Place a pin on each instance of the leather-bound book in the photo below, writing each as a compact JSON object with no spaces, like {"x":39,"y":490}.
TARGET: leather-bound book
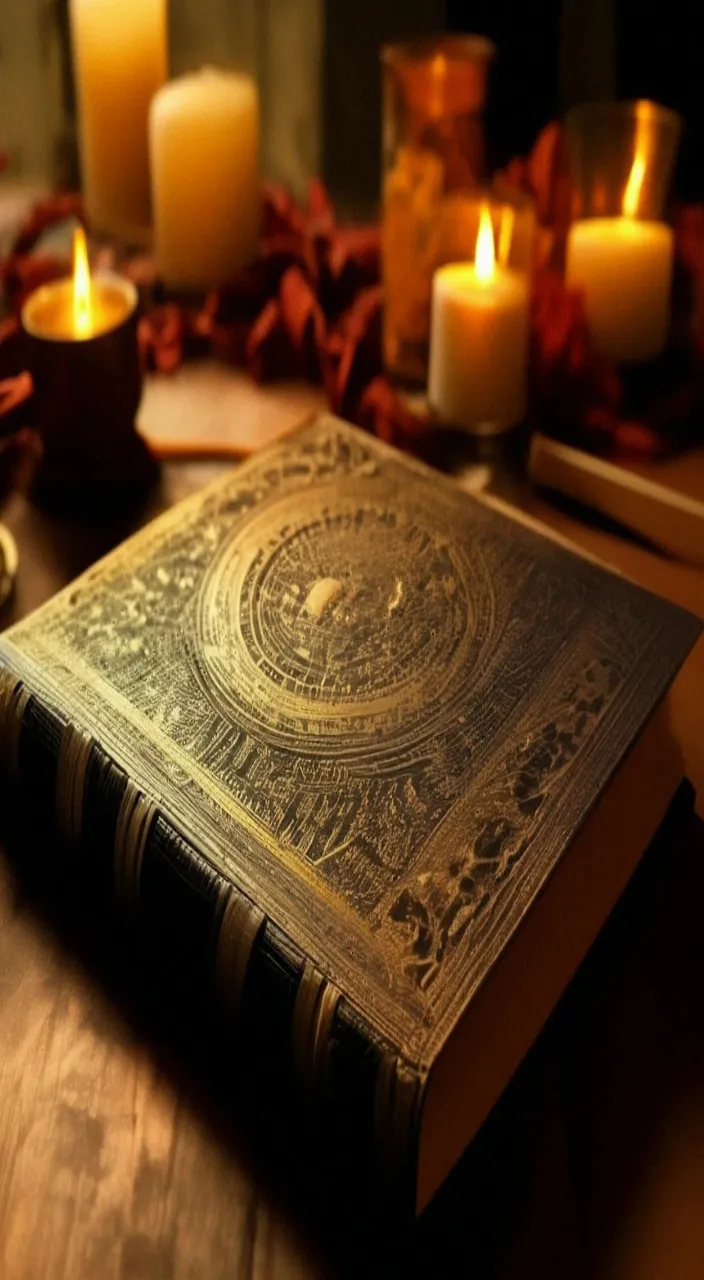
{"x":375,"y":756}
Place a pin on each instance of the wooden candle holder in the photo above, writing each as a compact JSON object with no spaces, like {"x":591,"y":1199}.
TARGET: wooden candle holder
{"x":86,"y":395}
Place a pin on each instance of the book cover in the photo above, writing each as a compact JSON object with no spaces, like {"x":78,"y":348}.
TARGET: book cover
{"x":342,"y":720}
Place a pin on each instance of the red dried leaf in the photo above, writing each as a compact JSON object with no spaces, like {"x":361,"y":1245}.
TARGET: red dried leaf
{"x":280,"y":212}
{"x":269,"y":353}
{"x":47,"y":213}
{"x":141,"y":270}
{"x":360,"y":356}
{"x":228,"y":342}
{"x":162,"y":338}
{"x":349,"y":262}
{"x":21,"y":276}
{"x":304,"y":322}
{"x":321,"y":213}
{"x":11,"y":347}
{"x":237,"y":302}
{"x":278,"y":253}
{"x":636,"y":440}
{"x":15,"y":396}
{"x":382,"y":412}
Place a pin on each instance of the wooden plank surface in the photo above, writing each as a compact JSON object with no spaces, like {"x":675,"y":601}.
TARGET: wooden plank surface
{"x":117,"y":1164}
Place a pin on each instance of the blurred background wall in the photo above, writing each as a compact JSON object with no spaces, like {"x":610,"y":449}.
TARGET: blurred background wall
{"x":317,"y":66}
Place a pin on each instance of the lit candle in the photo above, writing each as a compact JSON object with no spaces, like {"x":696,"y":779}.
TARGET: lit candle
{"x":624,"y":268}
{"x":79,"y":308}
{"x":83,"y":353}
{"x":479,"y":340}
{"x":204,"y":134}
{"x":120,"y":60}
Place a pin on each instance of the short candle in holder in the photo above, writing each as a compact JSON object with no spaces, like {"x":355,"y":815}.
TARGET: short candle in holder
{"x":623,"y":266}
{"x":82,"y":351}
{"x":479,"y":341}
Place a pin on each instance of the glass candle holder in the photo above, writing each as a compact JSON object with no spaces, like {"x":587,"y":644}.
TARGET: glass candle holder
{"x":433,"y":149}
{"x":480,"y":324}
{"x":620,"y":253}
{"x":513,"y":220}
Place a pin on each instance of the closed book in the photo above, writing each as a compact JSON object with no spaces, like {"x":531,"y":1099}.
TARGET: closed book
{"x":376,"y":756}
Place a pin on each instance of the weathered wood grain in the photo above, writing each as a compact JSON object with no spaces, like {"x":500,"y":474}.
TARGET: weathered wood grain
{"x":105,"y":1169}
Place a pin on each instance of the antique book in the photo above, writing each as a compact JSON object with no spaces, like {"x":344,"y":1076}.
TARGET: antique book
{"x":378,"y":756}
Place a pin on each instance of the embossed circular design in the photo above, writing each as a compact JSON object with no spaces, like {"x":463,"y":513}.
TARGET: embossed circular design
{"x":343,"y":617}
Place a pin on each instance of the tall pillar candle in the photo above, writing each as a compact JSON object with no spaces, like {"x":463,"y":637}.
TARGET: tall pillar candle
{"x":204,"y":142}
{"x":479,"y":341}
{"x":120,"y":60}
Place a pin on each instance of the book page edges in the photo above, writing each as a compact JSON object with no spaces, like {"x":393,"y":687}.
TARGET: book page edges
{"x":508,"y":1012}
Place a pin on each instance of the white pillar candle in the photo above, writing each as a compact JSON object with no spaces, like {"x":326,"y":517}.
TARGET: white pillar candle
{"x":120,"y":60}
{"x":204,"y":137}
{"x":624,"y":269}
{"x":479,"y":341}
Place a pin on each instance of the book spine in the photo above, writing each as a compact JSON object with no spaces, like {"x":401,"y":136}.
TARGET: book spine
{"x":127,"y":849}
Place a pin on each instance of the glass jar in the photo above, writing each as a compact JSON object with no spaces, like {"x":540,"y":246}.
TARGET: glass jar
{"x":620,"y":252}
{"x":605,"y":142}
{"x":432,"y":151}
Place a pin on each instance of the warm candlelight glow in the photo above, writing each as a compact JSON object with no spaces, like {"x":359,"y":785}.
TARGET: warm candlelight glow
{"x":479,"y":336}
{"x":485,"y":256}
{"x":506,"y":229}
{"x":634,"y":186}
{"x":83,"y":310}
{"x":79,"y":308}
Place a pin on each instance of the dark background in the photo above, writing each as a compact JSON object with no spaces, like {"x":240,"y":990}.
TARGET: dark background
{"x":555,"y":53}
{"x":552,"y":54}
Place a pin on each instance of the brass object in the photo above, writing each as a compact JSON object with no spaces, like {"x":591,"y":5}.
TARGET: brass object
{"x":8,"y":564}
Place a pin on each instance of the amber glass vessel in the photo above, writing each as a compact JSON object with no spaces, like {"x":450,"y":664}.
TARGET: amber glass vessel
{"x":433,"y":152}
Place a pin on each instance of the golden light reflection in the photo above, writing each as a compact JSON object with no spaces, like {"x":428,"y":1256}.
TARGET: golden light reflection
{"x":634,"y":186}
{"x":83,"y":309}
{"x":485,"y":256}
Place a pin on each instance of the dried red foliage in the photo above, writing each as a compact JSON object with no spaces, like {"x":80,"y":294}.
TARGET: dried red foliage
{"x":19,"y":454}
{"x":544,"y":176}
{"x":310,"y":306}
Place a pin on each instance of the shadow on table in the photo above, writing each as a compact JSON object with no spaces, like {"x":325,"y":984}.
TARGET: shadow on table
{"x":54,"y":548}
{"x":568,"y":1155}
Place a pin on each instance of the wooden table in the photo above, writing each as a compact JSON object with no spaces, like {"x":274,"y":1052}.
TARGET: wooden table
{"x":117,"y":1164}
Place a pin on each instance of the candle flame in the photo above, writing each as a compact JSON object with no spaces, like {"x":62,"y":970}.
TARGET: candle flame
{"x":82,"y":288}
{"x":634,"y":186}
{"x":485,"y":256}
